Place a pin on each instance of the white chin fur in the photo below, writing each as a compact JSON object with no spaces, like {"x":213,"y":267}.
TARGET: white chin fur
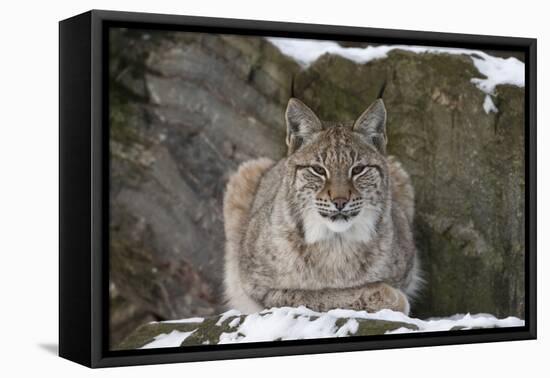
{"x":338,"y":226}
{"x":359,"y":229}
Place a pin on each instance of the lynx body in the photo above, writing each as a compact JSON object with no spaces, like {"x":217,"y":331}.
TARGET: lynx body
{"x":329,"y":226}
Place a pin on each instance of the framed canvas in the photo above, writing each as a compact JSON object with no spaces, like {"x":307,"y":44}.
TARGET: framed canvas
{"x":234,"y":188}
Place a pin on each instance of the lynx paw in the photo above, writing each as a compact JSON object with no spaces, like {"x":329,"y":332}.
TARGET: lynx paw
{"x":381,"y":296}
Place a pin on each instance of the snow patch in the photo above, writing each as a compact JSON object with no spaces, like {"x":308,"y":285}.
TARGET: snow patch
{"x":188,"y":320}
{"x":287,"y":323}
{"x":489,"y":106}
{"x":235,"y":322}
{"x":496,"y":71}
{"x":349,"y":328}
{"x":226,"y":315}
{"x":170,"y":340}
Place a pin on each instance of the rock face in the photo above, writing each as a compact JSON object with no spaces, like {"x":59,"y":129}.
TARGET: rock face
{"x":186,"y":109}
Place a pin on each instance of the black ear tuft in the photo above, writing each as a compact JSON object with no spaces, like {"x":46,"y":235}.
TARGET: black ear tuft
{"x":372,"y":124}
{"x":301,"y":124}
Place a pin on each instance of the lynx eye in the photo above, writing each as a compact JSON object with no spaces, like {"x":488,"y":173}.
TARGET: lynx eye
{"x":318,"y":170}
{"x":358,"y":169}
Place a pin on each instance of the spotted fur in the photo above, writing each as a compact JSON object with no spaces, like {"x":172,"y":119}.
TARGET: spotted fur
{"x":329,"y":226}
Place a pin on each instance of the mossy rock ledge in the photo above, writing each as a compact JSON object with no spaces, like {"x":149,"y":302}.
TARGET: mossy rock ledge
{"x":227,"y":329}
{"x":297,"y":323}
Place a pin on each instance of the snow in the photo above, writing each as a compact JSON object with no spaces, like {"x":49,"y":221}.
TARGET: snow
{"x":188,"y":320}
{"x":226,"y":315}
{"x":283,"y":324}
{"x":488,"y":105}
{"x":173,"y":339}
{"x":495,"y":70}
{"x":307,"y":51}
{"x":434,"y":324}
{"x":235,"y":322}
{"x":349,"y":328}
{"x":288,"y":323}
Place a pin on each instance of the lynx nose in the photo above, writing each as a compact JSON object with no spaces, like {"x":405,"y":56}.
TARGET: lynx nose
{"x":340,"y":203}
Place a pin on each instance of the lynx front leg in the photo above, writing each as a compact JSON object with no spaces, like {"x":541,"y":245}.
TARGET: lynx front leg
{"x":317,"y":300}
{"x":378,"y":296}
{"x":371,"y":297}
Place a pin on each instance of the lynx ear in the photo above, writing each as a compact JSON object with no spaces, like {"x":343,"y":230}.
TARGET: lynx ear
{"x":372,"y":124}
{"x":301,"y":124}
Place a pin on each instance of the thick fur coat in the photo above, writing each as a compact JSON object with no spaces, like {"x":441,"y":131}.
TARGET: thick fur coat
{"x":329,"y":226}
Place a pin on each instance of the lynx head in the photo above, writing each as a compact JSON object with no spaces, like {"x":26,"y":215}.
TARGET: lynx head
{"x":337,"y":172}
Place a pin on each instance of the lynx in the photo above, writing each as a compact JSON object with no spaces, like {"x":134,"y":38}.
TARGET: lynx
{"x":329,"y":226}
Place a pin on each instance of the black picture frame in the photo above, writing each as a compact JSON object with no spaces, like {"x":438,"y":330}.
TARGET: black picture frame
{"x":84,"y":185}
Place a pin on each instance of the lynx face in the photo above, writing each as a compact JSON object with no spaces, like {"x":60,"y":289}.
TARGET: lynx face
{"x":339,"y":172}
{"x":340,"y":177}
